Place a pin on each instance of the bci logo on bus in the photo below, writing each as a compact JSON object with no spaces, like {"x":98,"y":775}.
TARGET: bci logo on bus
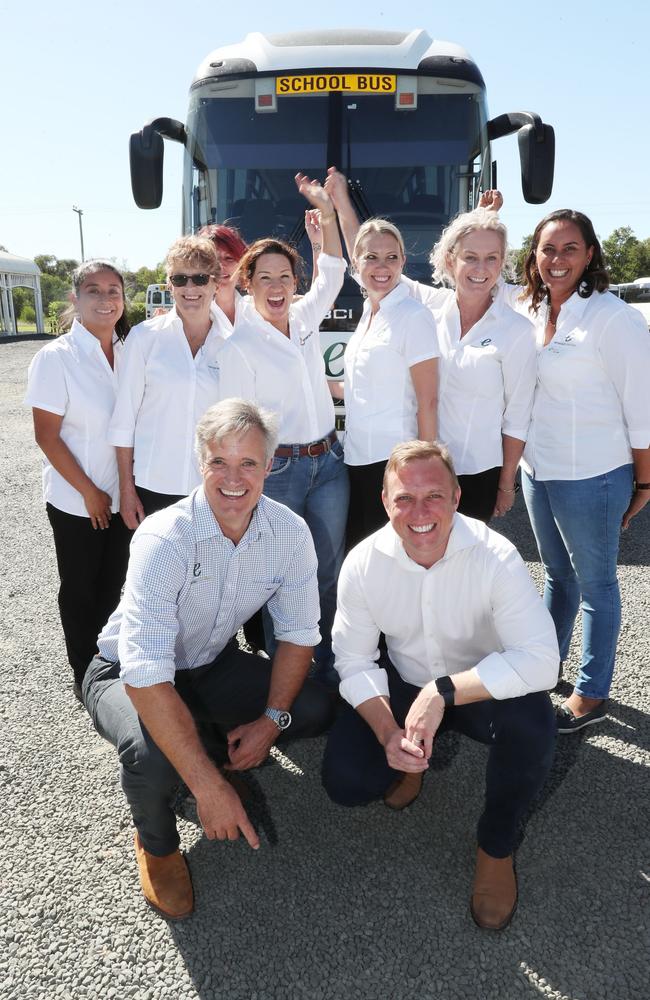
{"x":339,"y":314}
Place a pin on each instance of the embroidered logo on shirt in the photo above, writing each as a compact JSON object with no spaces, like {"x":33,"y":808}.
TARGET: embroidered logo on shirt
{"x":303,"y":340}
{"x":197,"y":569}
{"x":488,"y":340}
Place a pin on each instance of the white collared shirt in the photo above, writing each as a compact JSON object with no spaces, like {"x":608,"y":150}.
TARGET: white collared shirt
{"x":477,"y":607}
{"x":163,"y":391}
{"x":592,"y":402}
{"x":242,"y":303}
{"x":380,"y":402}
{"x":286,"y":374}
{"x":189,"y":588}
{"x":487,"y":383}
{"x":72,"y":378}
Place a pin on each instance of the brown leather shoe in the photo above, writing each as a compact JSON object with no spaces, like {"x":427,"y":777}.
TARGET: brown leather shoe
{"x":494,"y":896}
{"x":166,"y":883}
{"x":404,"y":790}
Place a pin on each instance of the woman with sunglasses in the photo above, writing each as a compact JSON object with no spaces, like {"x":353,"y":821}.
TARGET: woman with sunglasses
{"x":168,"y":380}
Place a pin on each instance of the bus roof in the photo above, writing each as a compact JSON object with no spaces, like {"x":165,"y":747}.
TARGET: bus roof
{"x":403,"y":51}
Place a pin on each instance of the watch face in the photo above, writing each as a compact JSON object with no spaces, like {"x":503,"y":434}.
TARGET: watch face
{"x":284,"y":720}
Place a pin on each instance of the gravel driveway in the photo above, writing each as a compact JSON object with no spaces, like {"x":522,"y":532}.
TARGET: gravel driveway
{"x":336,"y":904}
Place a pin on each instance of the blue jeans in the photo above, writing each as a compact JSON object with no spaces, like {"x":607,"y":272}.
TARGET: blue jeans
{"x":318,"y":490}
{"x":577,"y":526}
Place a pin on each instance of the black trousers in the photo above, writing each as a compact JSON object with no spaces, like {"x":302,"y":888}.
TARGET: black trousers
{"x":231,"y":690}
{"x":92,"y":566}
{"x":520,"y":733}
{"x":478,"y":493}
{"x":366,"y":512}
{"x":152,"y":501}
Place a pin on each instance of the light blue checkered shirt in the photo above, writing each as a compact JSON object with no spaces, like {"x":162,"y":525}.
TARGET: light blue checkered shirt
{"x":189,"y":588}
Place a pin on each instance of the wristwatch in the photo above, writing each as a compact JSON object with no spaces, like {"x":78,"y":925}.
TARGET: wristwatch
{"x":280,"y":716}
{"x":446,"y":689}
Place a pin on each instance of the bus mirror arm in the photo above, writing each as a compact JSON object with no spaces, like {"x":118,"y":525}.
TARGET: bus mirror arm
{"x":536,"y":151}
{"x":146,"y":154}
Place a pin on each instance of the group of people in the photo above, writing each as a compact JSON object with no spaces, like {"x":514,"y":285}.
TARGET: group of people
{"x":210,"y":430}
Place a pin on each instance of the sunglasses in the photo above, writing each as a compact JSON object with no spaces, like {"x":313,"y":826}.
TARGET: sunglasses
{"x":180,"y":280}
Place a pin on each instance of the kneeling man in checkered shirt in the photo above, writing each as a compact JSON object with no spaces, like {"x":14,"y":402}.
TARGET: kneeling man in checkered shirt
{"x":168,"y":656}
{"x":470,"y":647}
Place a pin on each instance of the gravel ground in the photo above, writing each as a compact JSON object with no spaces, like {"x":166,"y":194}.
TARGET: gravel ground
{"x":336,"y":904}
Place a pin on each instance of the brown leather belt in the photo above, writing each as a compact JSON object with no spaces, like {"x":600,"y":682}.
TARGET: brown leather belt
{"x":313,"y":450}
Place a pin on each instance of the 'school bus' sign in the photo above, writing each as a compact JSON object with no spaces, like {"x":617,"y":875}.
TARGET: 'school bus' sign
{"x":323,"y":83}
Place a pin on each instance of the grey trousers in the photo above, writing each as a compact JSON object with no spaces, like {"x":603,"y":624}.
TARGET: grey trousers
{"x":230,"y":691}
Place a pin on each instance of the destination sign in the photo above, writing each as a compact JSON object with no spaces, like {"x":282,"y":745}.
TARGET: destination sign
{"x":323,"y":83}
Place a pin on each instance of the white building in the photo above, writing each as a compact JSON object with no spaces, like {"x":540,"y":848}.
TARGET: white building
{"x":18,"y":272}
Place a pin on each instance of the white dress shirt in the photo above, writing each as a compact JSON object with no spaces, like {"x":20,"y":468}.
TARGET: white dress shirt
{"x":477,"y":607}
{"x":286,"y":374}
{"x":189,"y":588}
{"x":592,"y":402}
{"x":162,"y":393}
{"x":380,"y":402}
{"x":487,"y":383}
{"x":72,"y":378}
{"x":242,"y":303}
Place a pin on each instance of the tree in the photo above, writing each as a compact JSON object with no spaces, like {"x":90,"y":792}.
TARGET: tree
{"x":48,"y":264}
{"x":519,"y":259}
{"x":623,"y":255}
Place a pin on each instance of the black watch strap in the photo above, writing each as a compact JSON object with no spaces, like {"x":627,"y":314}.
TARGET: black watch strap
{"x":446,"y":689}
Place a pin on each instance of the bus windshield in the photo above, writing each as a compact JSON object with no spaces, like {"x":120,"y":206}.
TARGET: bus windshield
{"x":405,"y":165}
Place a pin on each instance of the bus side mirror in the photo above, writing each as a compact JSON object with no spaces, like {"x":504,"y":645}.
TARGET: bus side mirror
{"x":537,"y":156}
{"x":146,"y":170}
{"x":146,"y":155}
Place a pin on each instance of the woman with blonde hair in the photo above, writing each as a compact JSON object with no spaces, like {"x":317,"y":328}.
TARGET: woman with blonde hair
{"x":168,"y":380}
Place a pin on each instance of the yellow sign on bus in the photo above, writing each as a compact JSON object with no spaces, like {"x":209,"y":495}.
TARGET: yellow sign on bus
{"x":323,"y":83}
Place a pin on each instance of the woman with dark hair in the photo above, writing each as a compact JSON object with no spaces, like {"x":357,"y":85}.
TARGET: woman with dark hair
{"x":274,"y":358}
{"x":168,"y":380}
{"x":71,"y":387}
{"x":587,"y":456}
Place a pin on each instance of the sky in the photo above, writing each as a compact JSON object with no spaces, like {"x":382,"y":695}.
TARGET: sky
{"x":77,"y":78}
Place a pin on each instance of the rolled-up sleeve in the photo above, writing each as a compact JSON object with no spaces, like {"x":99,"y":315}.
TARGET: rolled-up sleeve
{"x":150,"y":625}
{"x":294,"y":607}
{"x":311,"y":308}
{"x":519,"y":370}
{"x":530,"y":657}
{"x":624,"y":348}
{"x":355,"y":637}
{"x":130,"y":392}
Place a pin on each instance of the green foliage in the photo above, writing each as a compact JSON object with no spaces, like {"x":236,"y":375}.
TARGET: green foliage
{"x":136,"y":313}
{"x":28,"y":314}
{"x":519,"y":259}
{"x":22,"y":297}
{"x":53,"y":289}
{"x":54,"y":314}
{"x":48,"y":264}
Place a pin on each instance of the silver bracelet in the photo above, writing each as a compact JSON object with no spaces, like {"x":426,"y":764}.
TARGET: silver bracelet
{"x":515,"y":489}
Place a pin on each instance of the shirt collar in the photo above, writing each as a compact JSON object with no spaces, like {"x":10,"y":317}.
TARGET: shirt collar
{"x":576,"y":305}
{"x":463,"y":536}
{"x":207,"y":526}
{"x":394,"y":297}
{"x":85,"y":340}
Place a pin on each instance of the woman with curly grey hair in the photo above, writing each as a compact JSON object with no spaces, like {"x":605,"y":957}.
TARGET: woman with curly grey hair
{"x":487,"y":366}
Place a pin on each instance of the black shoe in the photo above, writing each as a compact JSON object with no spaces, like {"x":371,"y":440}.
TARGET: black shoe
{"x":76,"y":690}
{"x":567,"y":722}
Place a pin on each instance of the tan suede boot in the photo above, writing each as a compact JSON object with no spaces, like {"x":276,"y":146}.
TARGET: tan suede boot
{"x":166,"y":882}
{"x":404,"y":790}
{"x":494,"y":896}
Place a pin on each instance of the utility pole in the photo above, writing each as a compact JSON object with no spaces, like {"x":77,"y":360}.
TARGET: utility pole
{"x":80,"y":212}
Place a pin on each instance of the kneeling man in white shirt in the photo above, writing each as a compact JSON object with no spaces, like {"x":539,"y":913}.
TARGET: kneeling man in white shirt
{"x":470,"y":647}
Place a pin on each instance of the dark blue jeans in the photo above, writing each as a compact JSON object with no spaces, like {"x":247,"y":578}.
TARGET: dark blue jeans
{"x":230,"y":691}
{"x":520,"y":733}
